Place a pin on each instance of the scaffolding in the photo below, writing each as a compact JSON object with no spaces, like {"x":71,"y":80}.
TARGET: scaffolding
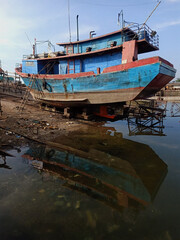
{"x":10,"y":82}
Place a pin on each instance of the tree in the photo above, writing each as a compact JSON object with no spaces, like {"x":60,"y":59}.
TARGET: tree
{"x":178,"y":80}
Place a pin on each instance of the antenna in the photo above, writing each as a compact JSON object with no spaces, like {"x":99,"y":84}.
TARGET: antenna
{"x":122,"y":19}
{"x":77,"y":17}
{"x":50,"y":45}
{"x":29,"y":40}
{"x":69,"y":22}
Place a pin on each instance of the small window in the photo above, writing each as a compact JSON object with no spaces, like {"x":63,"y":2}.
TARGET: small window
{"x":30,"y":64}
{"x":69,"y":49}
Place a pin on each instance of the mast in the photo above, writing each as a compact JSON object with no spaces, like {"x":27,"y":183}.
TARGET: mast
{"x":77,"y":32}
{"x":122,"y":19}
{"x":77,"y":27}
{"x":69,"y":22}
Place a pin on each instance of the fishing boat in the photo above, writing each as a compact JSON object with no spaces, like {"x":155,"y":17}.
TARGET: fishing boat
{"x":99,"y":70}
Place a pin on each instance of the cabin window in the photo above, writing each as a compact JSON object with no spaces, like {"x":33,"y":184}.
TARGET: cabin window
{"x":109,"y":43}
{"x":69,"y":49}
{"x":30,"y":64}
{"x":93,"y":46}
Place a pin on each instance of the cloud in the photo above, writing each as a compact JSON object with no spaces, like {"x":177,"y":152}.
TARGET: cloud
{"x":20,"y":17}
{"x":173,"y":1}
{"x":167,"y":24}
{"x":16,"y":22}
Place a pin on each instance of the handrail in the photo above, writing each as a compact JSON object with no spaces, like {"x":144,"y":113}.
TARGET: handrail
{"x":140,"y":32}
{"x":131,"y":31}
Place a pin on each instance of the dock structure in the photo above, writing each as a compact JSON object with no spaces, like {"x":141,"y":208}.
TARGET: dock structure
{"x":11,"y":84}
{"x":170,"y":92}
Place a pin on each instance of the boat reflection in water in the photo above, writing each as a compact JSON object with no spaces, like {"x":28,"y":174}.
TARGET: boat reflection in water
{"x":102,"y":164}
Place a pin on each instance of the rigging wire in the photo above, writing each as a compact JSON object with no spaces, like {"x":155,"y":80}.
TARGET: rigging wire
{"x":29,"y":40}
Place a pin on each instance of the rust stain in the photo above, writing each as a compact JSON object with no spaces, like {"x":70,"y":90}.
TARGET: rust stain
{"x":139,"y":79}
{"x":65,"y":90}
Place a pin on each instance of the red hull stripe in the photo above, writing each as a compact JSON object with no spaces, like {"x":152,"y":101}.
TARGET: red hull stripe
{"x":58,"y":76}
{"x":139,"y":63}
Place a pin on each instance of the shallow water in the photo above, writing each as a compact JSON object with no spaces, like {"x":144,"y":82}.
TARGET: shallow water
{"x":115,"y":181}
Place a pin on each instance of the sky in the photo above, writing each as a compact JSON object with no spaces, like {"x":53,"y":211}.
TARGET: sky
{"x":22,"y":21}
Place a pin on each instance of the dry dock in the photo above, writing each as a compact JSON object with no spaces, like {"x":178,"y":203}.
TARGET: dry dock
{"x":32,"y":123}
{"x":41,"y":125}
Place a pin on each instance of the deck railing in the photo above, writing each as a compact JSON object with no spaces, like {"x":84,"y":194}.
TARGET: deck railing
{"x":140,"y":32}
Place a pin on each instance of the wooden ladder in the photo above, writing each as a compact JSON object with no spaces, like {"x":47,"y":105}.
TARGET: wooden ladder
{"x":26,"y":95}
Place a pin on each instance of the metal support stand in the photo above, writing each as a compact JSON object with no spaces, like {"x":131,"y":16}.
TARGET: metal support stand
{"x":146,"y":120}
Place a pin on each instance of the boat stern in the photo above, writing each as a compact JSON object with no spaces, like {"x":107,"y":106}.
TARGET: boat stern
{"x":166,"y":73}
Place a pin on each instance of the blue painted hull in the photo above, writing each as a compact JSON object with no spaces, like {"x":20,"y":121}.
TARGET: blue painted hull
{"x":110,"y":87}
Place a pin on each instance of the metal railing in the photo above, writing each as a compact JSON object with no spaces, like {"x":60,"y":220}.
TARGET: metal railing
{"x":141,"y":32}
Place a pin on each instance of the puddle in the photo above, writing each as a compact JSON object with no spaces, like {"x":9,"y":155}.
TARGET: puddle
{"x":97,"y":183}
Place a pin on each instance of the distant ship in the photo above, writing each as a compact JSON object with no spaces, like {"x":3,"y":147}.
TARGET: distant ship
{"x":99,"y":70}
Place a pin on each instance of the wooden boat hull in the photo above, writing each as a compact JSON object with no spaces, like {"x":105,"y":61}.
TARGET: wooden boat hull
{"x":121,"y":83}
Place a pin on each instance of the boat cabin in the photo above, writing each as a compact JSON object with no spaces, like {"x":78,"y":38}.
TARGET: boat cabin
{"x":96,"y":53}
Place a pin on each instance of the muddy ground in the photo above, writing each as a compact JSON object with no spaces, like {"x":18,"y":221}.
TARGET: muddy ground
{"x":33,"y":123}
